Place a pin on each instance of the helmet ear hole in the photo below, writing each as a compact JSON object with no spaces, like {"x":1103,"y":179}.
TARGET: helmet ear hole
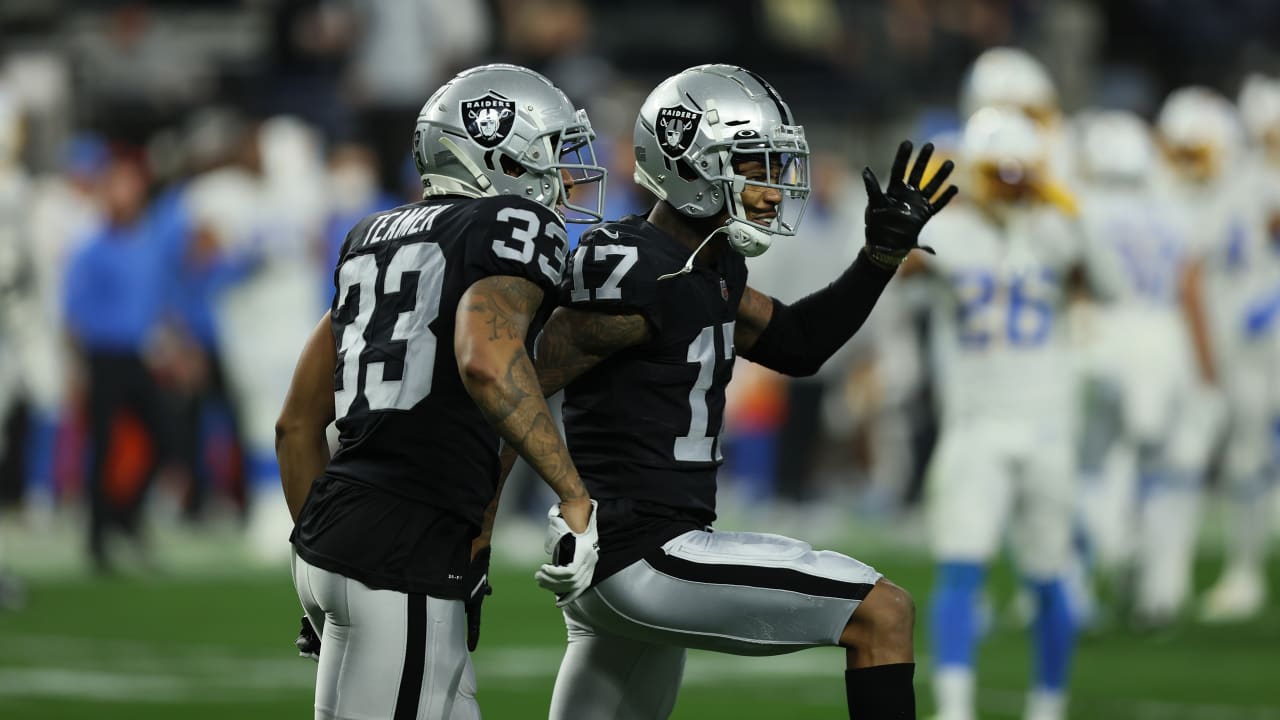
{"x":686,"y":171}
{"x":510,"y":167}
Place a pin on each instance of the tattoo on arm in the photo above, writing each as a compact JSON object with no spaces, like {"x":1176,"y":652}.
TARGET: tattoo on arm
{"x":492,"y":321}
{"x":507,"y":308}
{"x":755,"y":310}
{"x":574,"y":341}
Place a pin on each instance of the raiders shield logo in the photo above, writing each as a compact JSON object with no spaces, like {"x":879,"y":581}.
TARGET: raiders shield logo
{"x":676,"y":129}
{"x":489,"y":119}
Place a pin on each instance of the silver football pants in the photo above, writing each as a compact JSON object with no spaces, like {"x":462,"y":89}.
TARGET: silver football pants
{"x":386,"y":655}
{"x":731,"y":592}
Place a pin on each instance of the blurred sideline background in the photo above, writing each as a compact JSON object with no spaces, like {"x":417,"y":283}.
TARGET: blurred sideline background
{"x":220,"y":150}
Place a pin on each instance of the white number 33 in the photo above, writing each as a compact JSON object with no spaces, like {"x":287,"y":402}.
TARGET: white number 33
{"x":524,"y":232}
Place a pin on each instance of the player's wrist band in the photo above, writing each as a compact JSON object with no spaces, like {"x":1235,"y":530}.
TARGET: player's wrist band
{"x":887,"y":259}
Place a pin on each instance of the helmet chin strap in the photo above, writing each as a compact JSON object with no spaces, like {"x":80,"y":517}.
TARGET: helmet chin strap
{"x":748,"y":238}
{"x":482,"y":182}
{"x":744,"y":236}
{"x":688,"y":264}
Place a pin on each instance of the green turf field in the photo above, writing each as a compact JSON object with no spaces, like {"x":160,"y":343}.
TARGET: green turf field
{"x":221,"y":647}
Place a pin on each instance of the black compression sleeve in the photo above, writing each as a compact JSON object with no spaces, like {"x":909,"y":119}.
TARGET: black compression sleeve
{"x":800,"y":337}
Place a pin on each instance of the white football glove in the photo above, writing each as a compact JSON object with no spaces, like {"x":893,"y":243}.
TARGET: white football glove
{"x":568,"y":577}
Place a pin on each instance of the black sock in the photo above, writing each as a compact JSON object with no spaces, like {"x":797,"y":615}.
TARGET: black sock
{"x":881,"y":692}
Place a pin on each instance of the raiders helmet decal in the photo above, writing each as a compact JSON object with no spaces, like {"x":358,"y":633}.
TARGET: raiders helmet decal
{"x":677,"y":127}
{"x":488,"y":119}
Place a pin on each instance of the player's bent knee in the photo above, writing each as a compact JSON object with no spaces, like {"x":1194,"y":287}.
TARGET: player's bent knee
{"x":885,"y":619}
{"x":896,"y":610}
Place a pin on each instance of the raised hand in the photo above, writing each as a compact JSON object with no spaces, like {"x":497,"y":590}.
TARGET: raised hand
{"x":895,"y":217}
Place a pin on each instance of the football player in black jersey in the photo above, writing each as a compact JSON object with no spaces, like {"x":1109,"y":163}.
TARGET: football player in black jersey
{"x":423,"y":362}
{"x":653,"y":311}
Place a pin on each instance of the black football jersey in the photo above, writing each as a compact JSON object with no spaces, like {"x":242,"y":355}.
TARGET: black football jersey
{"x":416,"y":457}
{"x":645,"y":423}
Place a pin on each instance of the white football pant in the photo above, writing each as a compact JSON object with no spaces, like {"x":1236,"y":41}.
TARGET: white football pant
{"x":991,"y":476}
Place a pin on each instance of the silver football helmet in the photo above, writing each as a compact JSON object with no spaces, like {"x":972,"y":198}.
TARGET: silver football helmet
{"x":694,"y":127}
{"x":506,"y":130}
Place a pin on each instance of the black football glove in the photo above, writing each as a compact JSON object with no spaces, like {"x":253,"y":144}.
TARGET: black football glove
{"x":308,"y":642}
{"x":478,"y":580}
{"x":895,"y":218}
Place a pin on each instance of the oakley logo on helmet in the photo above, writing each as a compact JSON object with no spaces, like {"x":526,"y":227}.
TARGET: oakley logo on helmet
{"x":677,"y":127}
{"x":489,"y":119}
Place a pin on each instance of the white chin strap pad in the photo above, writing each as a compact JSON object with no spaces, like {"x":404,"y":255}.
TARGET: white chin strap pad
{"x":748,"y":238}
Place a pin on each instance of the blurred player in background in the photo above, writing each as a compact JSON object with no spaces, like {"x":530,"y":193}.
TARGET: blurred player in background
{"x":1251,"y":464}
{"x":654,"y":311}
{"x":17,"y":310}
{"x":273,"y":199}
{"x":1141,"y":364}
{"x":1200,"y":134}
{"x":423,"y":361}
{"x":219,"y":204}
{"x":1009,"y":77}
{"x":1004,"y":460}
{"x":1012,"y":78}
{"x":63,"y":212}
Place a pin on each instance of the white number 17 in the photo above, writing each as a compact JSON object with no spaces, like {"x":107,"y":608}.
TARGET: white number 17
{"x":697,"y":446}
{"x":611,"y":289}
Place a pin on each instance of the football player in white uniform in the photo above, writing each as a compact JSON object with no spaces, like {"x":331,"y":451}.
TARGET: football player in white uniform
{"x":1004,"y":461}
{"x":1012,"y":78}
{"x":1250,"y":487}
{"x":269,"y":220}
{"x":1009,"y":77}
{"x":63,"y":212}
{"x":1143,"y":438}
{"x":1203,"y":141}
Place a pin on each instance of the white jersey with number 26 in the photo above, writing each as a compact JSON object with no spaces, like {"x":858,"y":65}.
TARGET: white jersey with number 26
{"x":997,"y":330}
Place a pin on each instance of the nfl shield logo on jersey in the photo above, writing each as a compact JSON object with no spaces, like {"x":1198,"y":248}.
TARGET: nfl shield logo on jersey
{"x":676,"y":129}
{"x":724,"y":290}
{"x":489,"y":119}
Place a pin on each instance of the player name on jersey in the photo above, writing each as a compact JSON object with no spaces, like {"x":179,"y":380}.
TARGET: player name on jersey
{"x":399,"y":223}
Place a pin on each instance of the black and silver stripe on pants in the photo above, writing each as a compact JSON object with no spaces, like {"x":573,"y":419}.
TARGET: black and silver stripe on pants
{"x":415,"y":658}
{"x":736,"y":592}
{"x":775,"y":578}
{"x":363,"y":670}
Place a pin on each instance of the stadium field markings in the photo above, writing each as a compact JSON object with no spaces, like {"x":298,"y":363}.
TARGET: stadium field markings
{"x":68,"y":667}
